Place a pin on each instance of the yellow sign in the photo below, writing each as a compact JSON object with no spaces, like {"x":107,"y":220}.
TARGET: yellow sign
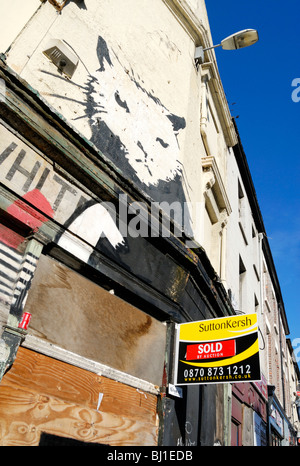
{"x":218,"y":351}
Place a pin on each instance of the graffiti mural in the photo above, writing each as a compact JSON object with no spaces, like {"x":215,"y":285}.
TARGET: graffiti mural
{"x":10,"y":262}
{"x":133,"y":129}
{"x":16,"y":271}
{"x":130,"y":125}
{"x":45,"y":195}
{"x":85,"y":227}
{"x":92,"y":221}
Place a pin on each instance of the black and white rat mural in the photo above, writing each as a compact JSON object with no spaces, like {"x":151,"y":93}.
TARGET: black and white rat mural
{"x":133,"y":128}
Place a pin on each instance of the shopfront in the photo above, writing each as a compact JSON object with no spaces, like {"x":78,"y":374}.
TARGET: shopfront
{"x":276,"y":426}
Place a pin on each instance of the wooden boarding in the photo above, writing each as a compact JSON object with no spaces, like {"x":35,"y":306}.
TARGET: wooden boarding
{"x":76,"y":314}
{"x":43,"y":395}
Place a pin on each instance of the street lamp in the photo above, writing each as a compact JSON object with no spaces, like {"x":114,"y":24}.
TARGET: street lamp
{"x":236,"y":41}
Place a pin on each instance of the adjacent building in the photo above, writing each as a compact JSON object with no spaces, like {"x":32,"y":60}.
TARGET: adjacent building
{"x":262,"y":411}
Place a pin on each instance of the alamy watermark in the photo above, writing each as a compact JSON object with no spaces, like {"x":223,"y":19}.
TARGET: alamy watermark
{"x":296,"y":91}
{"x":137,"y":219}
{"x":2,"y":90}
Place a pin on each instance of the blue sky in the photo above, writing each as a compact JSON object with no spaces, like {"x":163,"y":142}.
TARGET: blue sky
{"x":258,"y":84}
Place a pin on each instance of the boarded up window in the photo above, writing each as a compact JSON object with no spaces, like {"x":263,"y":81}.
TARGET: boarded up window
{"x":47,"y":402}
{"x":80,"y":316}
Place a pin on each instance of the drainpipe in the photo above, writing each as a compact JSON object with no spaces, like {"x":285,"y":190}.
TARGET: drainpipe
{"x":261,"y":275}
{"x":204,"y":109}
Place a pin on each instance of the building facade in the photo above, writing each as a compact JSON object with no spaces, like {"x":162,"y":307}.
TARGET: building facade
{"x":124,"y":186}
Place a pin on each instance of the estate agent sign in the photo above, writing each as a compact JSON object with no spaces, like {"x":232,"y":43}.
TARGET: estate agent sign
{"x":224,"y":350}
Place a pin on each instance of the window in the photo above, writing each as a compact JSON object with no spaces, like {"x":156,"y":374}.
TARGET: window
{"x":242,"y":212}
{"x":236,"y":437}
{"x":242,"y":285}
{"x":256,"y":304}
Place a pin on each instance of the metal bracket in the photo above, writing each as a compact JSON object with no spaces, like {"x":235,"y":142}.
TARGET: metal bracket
{"x":20,"y":332}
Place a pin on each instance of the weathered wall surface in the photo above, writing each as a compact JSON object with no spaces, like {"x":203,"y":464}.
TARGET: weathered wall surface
{"x":16,"y":13}
{"x":122,"y":97}
{"x":136,"y":93}
{"x":244,"y":256}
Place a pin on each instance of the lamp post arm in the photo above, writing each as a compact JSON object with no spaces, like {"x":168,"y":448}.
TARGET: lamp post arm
{"x":212,"y":47}
{"x":199,"y":52}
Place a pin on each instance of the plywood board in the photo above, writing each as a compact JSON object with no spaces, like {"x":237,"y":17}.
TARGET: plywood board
{"x":80,"y":316}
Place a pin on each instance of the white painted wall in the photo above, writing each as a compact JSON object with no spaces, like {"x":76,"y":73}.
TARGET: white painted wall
{"x":258,"y":295}
{"x":242,"y":243}
{"x":14,"y":15}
